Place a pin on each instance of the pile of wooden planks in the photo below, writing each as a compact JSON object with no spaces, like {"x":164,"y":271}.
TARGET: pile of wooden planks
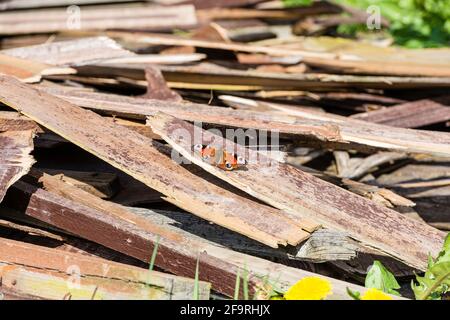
{"x":161,"y":149}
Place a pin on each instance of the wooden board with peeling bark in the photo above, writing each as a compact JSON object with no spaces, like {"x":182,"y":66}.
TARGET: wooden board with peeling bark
{"x":305,"y":196}
{"x":135,"y":155}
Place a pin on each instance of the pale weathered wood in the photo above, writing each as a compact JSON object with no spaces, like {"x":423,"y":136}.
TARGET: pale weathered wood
{"x":135,"y":155}
{"x":52,"y":274}
{"x":28,"y":70}
{"x":371,"y":134}
{"x":345,"y":133}
{"x":72,"y":52}
{"x":304,"y":196}
{"x":147,"y":17}
{"x":101,"y":184}
{"x":15,"y":158}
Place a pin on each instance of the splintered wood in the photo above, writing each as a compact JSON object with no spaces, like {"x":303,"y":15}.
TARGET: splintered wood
{"x":15,"y":158}
{"x":209,"y":149}
{"x":304,"y":196}
{"x":135,"y":155}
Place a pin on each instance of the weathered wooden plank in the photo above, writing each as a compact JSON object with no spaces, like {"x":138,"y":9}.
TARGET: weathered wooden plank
{"x":71,"y":52}
{"x":15,"y":158}
{"x":28,"y":70}
{"x":101,"y":184}
{"x":411,"y":114}
{"x":217,"y":264}
{"x":136,"y":155}
{"x":305,"y":196}
{"x":52,"y":274}
{"x":100,"y":17}
{"x":345,"y":133}
{"x":371,"y":134}
{"x":199,"y":74}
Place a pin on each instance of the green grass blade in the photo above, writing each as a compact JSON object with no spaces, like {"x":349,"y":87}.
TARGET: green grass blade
{"x":154,"y":253}
{"x":196,"y":281}
{"x":238,"y":284}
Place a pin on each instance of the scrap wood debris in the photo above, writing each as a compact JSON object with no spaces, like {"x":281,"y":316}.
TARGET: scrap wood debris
{"x":203,"y":138}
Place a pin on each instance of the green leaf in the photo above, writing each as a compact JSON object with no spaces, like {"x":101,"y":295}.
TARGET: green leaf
{"x":354,"y":294}
{"x":296,"y":3}
{"x":197,"y":281}
{"x":380,"y":278}
{"x":436,"y":280}
{"x":237,"y":285}
{"x":434,"y":283}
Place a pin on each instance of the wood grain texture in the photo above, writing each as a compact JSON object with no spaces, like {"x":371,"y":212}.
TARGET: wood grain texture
{"x":71,"y":52}
{"x":28,"y":70}
{"x":325,"y":127}
{"x":411,"y":114}
{"x":135,"y":155}
{"x":15,"y":158}
{"x":305,"y":196}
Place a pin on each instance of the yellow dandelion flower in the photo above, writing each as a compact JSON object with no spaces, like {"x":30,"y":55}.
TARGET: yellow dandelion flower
{"x":309,"y":288}
{"x":375,"y":294}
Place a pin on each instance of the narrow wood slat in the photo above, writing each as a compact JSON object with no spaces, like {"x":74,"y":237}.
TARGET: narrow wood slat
{"x":411,"y":114}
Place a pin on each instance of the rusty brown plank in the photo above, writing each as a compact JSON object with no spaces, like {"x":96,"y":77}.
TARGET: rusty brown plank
{"x":136,"y":155}
{"x":411,"y":114}
{"x":305,"y":196}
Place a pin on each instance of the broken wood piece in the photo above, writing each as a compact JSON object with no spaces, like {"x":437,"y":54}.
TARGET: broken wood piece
{"x":364,"y":133}
{"x":53,"y":274}
{"x":157,"y":87}
{"x":27,"y":70}
{"x":101,"y":184}
{"x":71,"y":52}
{"x":304,"y":196}
{"x":15,"y":158}
{"x":135,"y":155}
{"x":411,"y":114}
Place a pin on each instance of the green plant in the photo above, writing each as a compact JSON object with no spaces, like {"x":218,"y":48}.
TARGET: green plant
{"x":413,"y":23}
{"x":380,"y":278}
{"x":154,"y":253}
{"x":436,"y":281}
{"x":196,"y":280}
